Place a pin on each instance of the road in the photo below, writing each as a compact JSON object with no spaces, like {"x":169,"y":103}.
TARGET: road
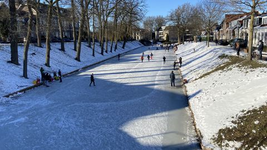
{"x":132,"y":106}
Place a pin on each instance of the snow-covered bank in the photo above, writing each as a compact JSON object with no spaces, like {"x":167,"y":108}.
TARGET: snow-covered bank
{"x":11,"y":79}
{"x":216,"y":98}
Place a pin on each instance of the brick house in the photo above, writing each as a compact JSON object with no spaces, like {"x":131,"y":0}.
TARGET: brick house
{"x":22,"y":20}
{"x":228,"y":26}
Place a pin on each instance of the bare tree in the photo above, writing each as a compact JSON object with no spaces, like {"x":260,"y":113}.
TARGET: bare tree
{"x":60,"y":27}
{"x":13,"y":33}
{"x":37,"y":22}
{"x":245,"y":6}
{"x":82,"y":21}
{"x":93,"y":13}
{"x":159,"y":21}
{"x":195,"y":26}
{"x":48,"y":29}
{"x":99,"y":13}
{"x":88,"y":16}
{"x":109,"y":8}
{"x":4,"y":22}
{"x":134,"y":13}
{"x":73,"y":15}
{"x":180,"y":18}
{"x":27,"y":42}
{"x":149,"y":26}
{"x":211,"y":14}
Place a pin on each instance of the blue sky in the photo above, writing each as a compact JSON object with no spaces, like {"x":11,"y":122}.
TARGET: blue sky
{"x":163,"y":7}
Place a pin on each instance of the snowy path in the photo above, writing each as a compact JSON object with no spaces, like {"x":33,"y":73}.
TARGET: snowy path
{"x":132,"y":106}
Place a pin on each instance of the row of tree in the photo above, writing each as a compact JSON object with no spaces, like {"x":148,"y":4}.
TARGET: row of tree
{"x":205,"y":16}
{"x":105,"y":20}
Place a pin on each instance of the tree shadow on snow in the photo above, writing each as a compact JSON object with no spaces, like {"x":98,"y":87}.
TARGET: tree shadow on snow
{"x":120,"y":112}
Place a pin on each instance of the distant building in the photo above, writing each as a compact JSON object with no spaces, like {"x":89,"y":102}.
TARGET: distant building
{"x":237,"y":26}
{"x":22,"y":20}
{"x":163,"y":32}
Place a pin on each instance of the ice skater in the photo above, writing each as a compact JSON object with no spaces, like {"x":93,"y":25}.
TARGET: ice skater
{"x":142,"y":58}
{"x":174,"y":65}
{"x":92,"y":79}
{"x":148,"y":57}
{"x":172,"y":76}
{"x":59,"y":75}
{"x":164,"y":59}
{"x":180,"y":61}
{"x":151,"y":55}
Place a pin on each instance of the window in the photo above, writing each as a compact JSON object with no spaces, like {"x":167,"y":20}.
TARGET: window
{"x":260,"y":21}
{"x":264,"y":20}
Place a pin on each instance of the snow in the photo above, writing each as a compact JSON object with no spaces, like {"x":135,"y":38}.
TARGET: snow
{"x":132,"y":106}
{"x":11,"y":79}
{"x":216,"y":98}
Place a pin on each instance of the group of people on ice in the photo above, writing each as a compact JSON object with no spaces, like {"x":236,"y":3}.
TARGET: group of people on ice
{"x":149,"y":56}
{"x":46,"y":77}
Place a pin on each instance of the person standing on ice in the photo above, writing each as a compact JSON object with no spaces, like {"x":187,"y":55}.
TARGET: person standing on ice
{"x":142,"y":58}
{"x":180,"y":61}
{"x":174,"y":65}
{"x":42,"y":72}
{"x":92,"y":79}
{"x":151,"y":55}
{"x":260,"y":48}
{"x":59,"y":75}
{"x":172,"y":76}
{"x":148,"y":57}
{"x":164,"y":59}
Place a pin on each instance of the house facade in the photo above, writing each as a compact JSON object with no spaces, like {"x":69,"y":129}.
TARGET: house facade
{"x":260,"y":29}
{"x":22,"y":21}
{"x":237,"y":26}
{"x":228,"y":27}
{"x":164,"y":32}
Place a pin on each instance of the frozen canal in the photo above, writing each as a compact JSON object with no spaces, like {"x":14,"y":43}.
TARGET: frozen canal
{"x":132,"y":107}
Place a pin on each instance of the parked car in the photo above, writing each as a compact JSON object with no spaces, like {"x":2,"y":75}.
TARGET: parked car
{"x":223,"y":42}
{"x":243,"y":43}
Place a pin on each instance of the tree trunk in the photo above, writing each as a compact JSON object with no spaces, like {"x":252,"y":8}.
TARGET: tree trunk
{"x":37,"y":26}
{"x":106,"y":38}
{"x":93,"y":49}
{"x":28,"y":38}
{"x":60,"y":28}
{"x":251,"y":28}
{"x":13,"y":33}
{"x":49,"y":16}
{"x":208,"y":39}
{"x":73,"y":24}
{"x":88,"y":30}
{"x":124,"y":42}
{"x":115,"y":33}
{"x":78,"y":54}
{"x":111,"y":45}
{"x":178,"y":36}
{"x":102,"y":40}
{"x":124,"y":37}
{"x":101,"y":30}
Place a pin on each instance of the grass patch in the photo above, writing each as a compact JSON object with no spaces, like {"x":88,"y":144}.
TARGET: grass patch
{"x":250,"y":129}
{"x":234,"y":60}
